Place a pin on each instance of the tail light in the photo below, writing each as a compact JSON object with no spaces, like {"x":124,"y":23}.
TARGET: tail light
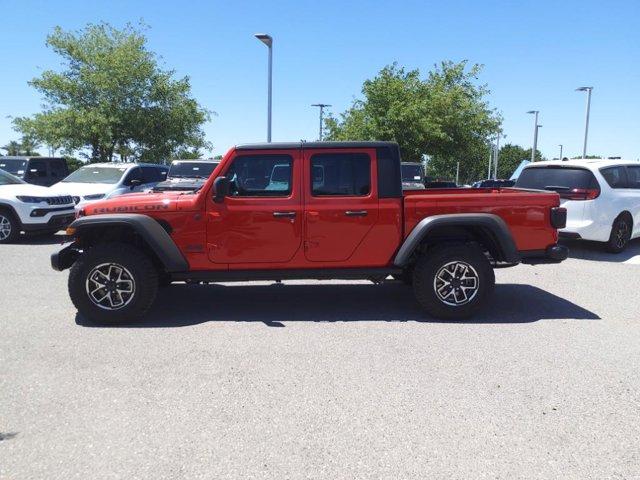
{"x":558,"y":217}
{"x":580,"y":194}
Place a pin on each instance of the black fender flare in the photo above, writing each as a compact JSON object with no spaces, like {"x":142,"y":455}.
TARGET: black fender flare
{"x":496,"y":226}
{"x":149,"y":229}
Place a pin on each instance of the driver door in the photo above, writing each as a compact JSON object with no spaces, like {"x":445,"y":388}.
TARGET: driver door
{"x":260,"y":221}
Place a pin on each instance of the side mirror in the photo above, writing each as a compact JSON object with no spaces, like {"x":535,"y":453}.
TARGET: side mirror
{"x":134,"y":183}
{"x":221,"y":189}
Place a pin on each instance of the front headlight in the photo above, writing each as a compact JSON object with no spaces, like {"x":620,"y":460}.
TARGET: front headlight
{"x":27,"y":199}
{"x":96,"y":196}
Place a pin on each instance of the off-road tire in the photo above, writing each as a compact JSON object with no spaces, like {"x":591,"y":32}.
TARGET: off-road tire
{"x":620,"y":234}
{"x":434,"y":262}
{"x":135,"y":261}
{"x":8,"y":219}
{"x":405,"y":277}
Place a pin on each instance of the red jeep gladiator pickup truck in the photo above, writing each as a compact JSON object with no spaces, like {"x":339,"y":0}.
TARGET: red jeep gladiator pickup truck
{"x":327,"y":210}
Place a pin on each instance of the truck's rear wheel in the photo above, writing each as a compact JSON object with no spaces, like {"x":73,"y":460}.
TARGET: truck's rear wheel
{"x":453,"y":282}
{"x":113,"y":283}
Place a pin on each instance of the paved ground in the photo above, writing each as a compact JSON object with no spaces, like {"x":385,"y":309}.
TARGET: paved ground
{"x":325,"y":380}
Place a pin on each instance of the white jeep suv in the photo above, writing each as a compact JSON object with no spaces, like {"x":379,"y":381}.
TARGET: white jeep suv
{"x":31,"y":208}
{"x":602,"y":197}
{"x":98,"y":181}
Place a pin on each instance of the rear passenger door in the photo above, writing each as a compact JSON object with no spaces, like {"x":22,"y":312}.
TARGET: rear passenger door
{"x":341,"y":204}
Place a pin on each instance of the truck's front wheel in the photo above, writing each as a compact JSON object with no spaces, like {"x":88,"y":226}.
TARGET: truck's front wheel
{"x":453,"y":282}
{"x":113,"y":283}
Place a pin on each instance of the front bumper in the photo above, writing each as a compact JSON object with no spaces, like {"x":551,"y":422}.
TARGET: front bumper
{"x":61,"y":222}
{"x":553,"y":254}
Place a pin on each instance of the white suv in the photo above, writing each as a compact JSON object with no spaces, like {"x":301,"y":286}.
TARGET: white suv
{"x":104,"y":180}
{"x":31,"y":208}
{"x":602,"y":197}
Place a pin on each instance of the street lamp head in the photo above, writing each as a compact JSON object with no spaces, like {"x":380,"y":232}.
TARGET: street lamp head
{"x":584,"y":89}
{"x":264,"y":38}
{"x":533,"y":111}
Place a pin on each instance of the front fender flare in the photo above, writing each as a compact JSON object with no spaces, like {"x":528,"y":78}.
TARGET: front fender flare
{"x":149,"y":229}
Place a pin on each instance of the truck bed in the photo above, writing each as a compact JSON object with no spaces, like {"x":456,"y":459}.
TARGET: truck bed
{"x":526,"y":212}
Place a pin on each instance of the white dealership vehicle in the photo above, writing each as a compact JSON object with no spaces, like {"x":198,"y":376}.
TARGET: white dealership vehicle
{"x":104,"y":180}
{"x":602,"y":197}
{"x":31,"y":208}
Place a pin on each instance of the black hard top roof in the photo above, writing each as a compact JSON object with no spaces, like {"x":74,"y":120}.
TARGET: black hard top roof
{"x":287,"y":145}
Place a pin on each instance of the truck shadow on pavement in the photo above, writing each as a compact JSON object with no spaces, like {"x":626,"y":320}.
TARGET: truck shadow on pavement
{"x":586,"y":250}
{"x":180,"y":305}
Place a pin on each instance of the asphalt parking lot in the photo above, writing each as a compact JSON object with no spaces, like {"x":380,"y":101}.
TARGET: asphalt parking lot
{"x":325,"y":379}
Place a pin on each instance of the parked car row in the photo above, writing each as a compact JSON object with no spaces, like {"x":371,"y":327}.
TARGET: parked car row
{"x":39,"y":196}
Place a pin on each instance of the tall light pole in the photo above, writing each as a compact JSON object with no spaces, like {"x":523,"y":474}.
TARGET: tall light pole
{"x":560,"y":157}
{"x":586,"y":123}
{"x":535,"y":134}
{"x":495,"y":157}
{"x":268,"y":41}
{"x":321,"y":106}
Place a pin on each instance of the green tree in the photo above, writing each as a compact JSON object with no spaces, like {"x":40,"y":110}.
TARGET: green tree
{"x":112,"y":98}
{"x":13,"y":148}
{"x":445,"y":116}
{"x":511,"y":156}
{"x":26,"y":146}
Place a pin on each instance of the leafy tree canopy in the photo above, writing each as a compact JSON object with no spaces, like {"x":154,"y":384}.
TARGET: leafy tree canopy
{"x":112,"y":98}
{"x":27,"y":146}
{"x":445,"y":116}
{"x":511,"y":156}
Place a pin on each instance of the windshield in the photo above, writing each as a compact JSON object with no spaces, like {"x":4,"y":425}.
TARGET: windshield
{"x":191,"y":169}
{"x":412,"y":173}
{"x":556,"y":178}
{"x":6,"y":179}
{"x":14,"y":166}
{"x":89,"y":174}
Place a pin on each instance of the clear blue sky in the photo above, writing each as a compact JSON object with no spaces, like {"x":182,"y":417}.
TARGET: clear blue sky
{"x":535,"y":55}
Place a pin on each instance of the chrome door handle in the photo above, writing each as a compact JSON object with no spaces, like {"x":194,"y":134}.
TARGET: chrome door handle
{"x":284,"y":214}
{"x":356,"y":213}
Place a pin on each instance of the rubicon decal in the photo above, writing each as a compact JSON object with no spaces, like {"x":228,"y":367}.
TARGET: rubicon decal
{"x":131,"y":208}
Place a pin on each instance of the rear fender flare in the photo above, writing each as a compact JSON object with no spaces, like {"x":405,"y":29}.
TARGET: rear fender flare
{"x":490,"y":223}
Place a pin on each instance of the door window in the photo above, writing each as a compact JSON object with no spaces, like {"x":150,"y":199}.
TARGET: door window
{"x":37,"y":169}
{"x":343,"y":174}
{"x":154,"y":174}
{"x":634,"y":177}
{"x":260,"y":176}
{"x":616,"y":177}
{"x":134,"y":174}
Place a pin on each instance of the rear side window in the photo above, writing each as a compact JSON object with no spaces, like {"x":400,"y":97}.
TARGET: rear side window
{"x":556,"y":178}
{"x":58,"y":168}
{"x":616,"y":177}
{"x":154,"y":174}
{"x":345,"y":174}
{"x":634,"y":177}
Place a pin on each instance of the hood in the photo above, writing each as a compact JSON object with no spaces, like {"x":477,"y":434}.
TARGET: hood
{"x":82,"y":189}
{"x":30,"y":190}
{"x":134,"y":203}
{"x":180,"y":184}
